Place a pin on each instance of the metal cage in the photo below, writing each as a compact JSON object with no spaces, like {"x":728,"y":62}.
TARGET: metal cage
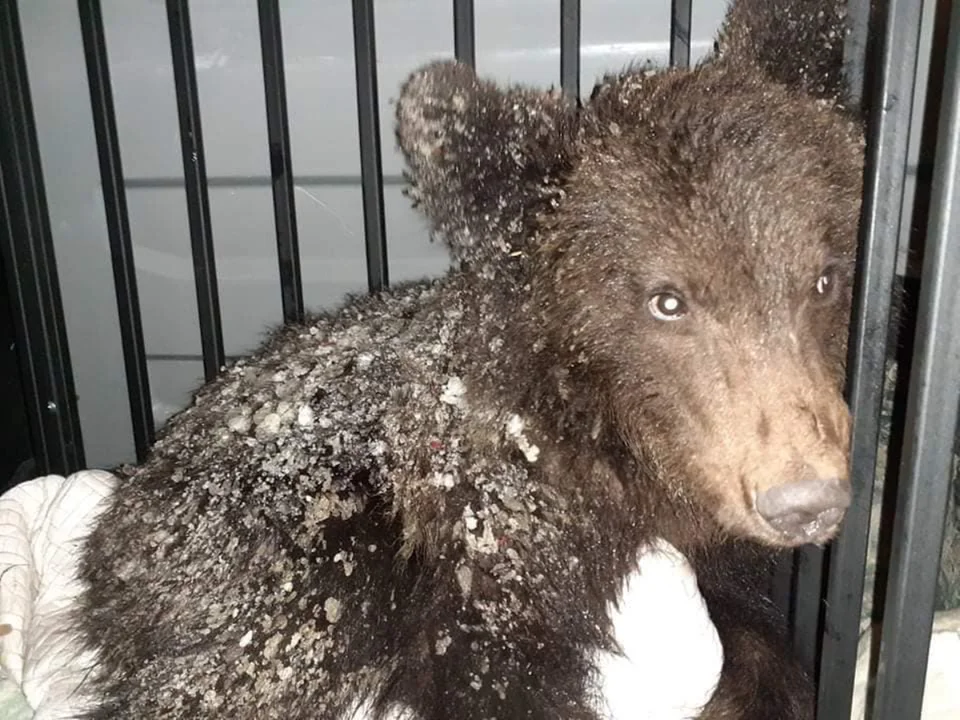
{"x":823,"y":590}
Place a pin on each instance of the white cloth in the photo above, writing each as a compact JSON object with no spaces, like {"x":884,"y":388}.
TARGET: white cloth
{"x":42,"y":525}
{"x":672,"y":655}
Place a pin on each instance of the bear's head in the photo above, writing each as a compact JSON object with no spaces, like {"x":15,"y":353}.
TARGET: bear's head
{"x":688,"y":238}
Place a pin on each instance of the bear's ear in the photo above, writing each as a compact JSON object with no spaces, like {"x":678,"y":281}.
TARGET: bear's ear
{"x":798,"y":44}
{"x":482,"y":161}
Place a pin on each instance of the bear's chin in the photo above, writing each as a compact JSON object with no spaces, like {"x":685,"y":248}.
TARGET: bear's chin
{"x":750,"y":525}
{"x":819,"y":531}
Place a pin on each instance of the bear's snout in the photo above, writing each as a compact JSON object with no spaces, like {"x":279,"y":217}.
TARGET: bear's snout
{"x":805,"y":510}
{"x":797,"y":474}
{"x":773,"y":450}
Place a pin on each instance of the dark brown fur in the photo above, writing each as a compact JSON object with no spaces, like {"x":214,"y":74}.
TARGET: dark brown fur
{"x":481,"y":568}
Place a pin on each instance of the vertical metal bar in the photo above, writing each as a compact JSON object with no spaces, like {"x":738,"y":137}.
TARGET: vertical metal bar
{"x":781,"y":582}
{"x":931,"y":425}
{"x":195,"y":183}
{"x":570,"y":47}
{"x":808,"y":605}
{"x":681,"y":23}
{"x":281,"y":164}
{"x":464,"y":37}
{"x":26,"y":248}
{"x":886,"y":161}
{"x":371,"y":170}
{"x":118,"y":224}
{"x":855,"y":49}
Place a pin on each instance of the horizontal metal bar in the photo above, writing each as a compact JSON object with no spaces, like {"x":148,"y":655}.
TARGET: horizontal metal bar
{"x":926,"y":470}
{"x":186,"y":357}
{"x":371,"y":172}
{"x":118,"y":225}
{"x":464,"y":35}
{"x":29,"y":263}
{"x":681,"y":24}
{"x":886,"y":163}
{"x":245,"y":181}
{"x":195,"y":183}
{"x":281,"y":161}
{"x":570,"y":47}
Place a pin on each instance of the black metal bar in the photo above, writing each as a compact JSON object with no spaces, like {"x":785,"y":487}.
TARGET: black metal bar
{"x":29,"y":262}
{"x":281,"y":163}
{"x":464,"y":37}
{"x":570,"y":47}
{"x":855,"y":49}
{"x":195,"y":182}
{"x":886,"y":162}
{"x":371,"y":170}
{"x":931,"y":425}
{"x":681,"y":23}
{"x":807,"y":605}
{"x":118,"y":225}
{"x":781,"y":583}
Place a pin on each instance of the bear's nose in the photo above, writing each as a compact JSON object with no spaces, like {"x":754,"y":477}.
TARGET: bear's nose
{"x":804,"y":508}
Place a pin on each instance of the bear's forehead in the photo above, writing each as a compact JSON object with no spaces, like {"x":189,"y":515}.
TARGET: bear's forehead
{"x":727,"y":244}
{"x":714,"y":135}
{"x":751,"y":205}
{"x":707,"y":214}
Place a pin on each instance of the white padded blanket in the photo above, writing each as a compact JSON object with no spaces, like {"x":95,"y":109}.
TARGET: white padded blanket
{"x":42,"y":523}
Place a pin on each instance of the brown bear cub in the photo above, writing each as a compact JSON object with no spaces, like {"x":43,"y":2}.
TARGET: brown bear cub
{"x":427,"y":501}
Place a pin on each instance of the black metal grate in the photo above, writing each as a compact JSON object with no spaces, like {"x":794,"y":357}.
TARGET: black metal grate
{"x":827,"y":587}
{"x":931,"y":423}
{"x":886,"y":165}
{"x":26,"y":249}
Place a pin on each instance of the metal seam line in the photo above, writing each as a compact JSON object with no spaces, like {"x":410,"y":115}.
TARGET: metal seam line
{"x":26,"y":244}
{"x":244,"y":181}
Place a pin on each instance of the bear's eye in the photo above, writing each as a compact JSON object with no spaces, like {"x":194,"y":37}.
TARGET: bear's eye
{"x":825,"y":284}
{"x":667,"y":306}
